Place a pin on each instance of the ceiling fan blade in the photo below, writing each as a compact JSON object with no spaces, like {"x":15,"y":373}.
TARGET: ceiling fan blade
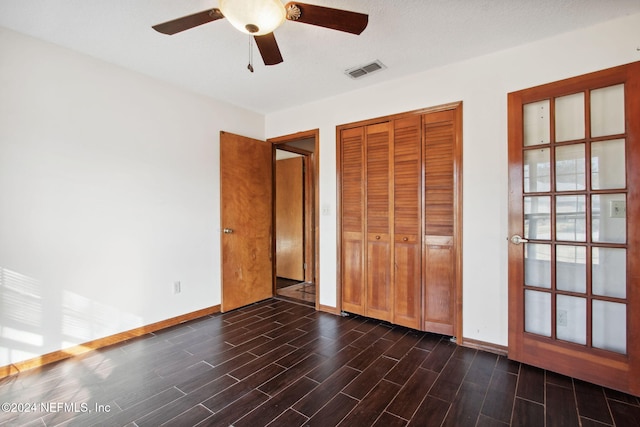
{"x":187,"y":22}
{"x":269,"y":49}
{"x":336,"y":19}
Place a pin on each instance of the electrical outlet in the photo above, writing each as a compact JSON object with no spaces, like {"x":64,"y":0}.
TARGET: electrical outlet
{"x":617,"y":209}
{"x":562,"y":317}
{"x":177,"y":287}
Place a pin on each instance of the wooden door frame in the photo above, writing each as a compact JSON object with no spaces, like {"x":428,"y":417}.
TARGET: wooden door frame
{"x":457,"y":243}
{"x":311,"y":202}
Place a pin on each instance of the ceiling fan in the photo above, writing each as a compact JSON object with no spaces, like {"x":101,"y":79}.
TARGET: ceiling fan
{"x":260,"y":17}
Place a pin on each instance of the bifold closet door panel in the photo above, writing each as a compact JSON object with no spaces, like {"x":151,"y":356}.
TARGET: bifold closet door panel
{"x":379,"y":292}
{"x":353,"y":252}
{"x":407,"y":206}
{"x":439,"y":133}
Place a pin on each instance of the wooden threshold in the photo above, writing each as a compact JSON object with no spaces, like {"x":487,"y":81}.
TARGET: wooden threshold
{"x":79,"y":349}
{"x":484,"y":346}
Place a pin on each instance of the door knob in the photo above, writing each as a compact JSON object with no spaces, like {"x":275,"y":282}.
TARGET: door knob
{"x":227,"y":231}
{"x":516,"y":239}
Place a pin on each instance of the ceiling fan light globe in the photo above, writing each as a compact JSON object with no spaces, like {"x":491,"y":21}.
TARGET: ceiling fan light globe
{"x":247,"y":15}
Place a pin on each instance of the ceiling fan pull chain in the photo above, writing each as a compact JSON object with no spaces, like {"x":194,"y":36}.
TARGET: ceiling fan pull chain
{"x":250,"y":66}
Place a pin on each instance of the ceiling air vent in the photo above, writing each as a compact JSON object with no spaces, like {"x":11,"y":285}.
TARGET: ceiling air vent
{"x":363,"y":70}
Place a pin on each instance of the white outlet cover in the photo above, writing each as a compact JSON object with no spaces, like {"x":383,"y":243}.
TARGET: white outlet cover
{"x":617,"y":209}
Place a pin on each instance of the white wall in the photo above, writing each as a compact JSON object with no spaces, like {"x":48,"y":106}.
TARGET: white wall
{"x":109,"y":192}
{"x":482,"y":84}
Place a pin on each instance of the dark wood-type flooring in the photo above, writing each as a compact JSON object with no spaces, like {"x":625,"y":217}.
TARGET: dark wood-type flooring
{"x":284,"y":364}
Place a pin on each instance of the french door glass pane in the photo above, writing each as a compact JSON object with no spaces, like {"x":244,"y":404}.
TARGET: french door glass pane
{"x":571,"y":218}
{"x":609,"y":272}
{"x":537,"y":312}
{"x":537,"y":170}
{"x":569,"y":117}
{"x":609,"y":218}
{"x":537,"y":125}
{"x":571,"y":268}
{"x":608,"y":164}
{"x":537,"y":265}
{"x":571,"y":319}
{"x":537,"y":217}
{"x":607,"y":111}
{"x":610,"y":326}
{"x":570,"y":165}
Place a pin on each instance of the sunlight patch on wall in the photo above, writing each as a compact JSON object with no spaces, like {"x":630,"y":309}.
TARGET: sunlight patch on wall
{"x":25,"y":337}
{"x":21,"y":298}
{"x":21,"y":312}
{"x":84,"y":319}
{"x":33,"y":323}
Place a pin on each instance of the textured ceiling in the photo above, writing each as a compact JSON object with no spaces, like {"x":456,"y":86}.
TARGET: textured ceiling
{"x":408,"y":36}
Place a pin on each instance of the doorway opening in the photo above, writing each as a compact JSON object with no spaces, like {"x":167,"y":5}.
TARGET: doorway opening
{"x":295,"y":201}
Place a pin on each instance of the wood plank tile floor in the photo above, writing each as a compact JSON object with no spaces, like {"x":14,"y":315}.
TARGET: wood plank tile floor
{"x":283,"y":364}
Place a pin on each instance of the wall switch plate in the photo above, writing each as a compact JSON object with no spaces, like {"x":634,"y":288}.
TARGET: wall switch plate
{"x":177,"y":287}
{"x":617,"y":209}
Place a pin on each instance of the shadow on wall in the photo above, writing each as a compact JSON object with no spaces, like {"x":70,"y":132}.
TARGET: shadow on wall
{"x":28,"y":316}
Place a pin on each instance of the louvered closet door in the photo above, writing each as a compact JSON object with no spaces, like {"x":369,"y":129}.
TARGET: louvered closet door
{"x":406,"y":221}
{"x":439,"y":198}
{"x":379,"y":293}
{"x":352,"y":220}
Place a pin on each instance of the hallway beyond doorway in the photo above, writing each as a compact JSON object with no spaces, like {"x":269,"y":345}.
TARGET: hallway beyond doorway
{"x":303,"y":292}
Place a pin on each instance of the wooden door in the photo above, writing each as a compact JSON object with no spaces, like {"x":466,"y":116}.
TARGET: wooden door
{"x":352,"y":219}
{"x":441,"y":230}
{"x":379,"y":215}
{"x":574,"y":218}
{"x":289,"y":209}
{"x":407,"y":185}
{"x":246,"y":220}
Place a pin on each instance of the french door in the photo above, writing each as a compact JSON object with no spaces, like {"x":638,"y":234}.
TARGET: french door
{"x":574,"y":227}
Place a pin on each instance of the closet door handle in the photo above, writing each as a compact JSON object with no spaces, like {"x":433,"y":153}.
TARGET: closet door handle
{"x":377,"y":237}
{"x":404,"y":239}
